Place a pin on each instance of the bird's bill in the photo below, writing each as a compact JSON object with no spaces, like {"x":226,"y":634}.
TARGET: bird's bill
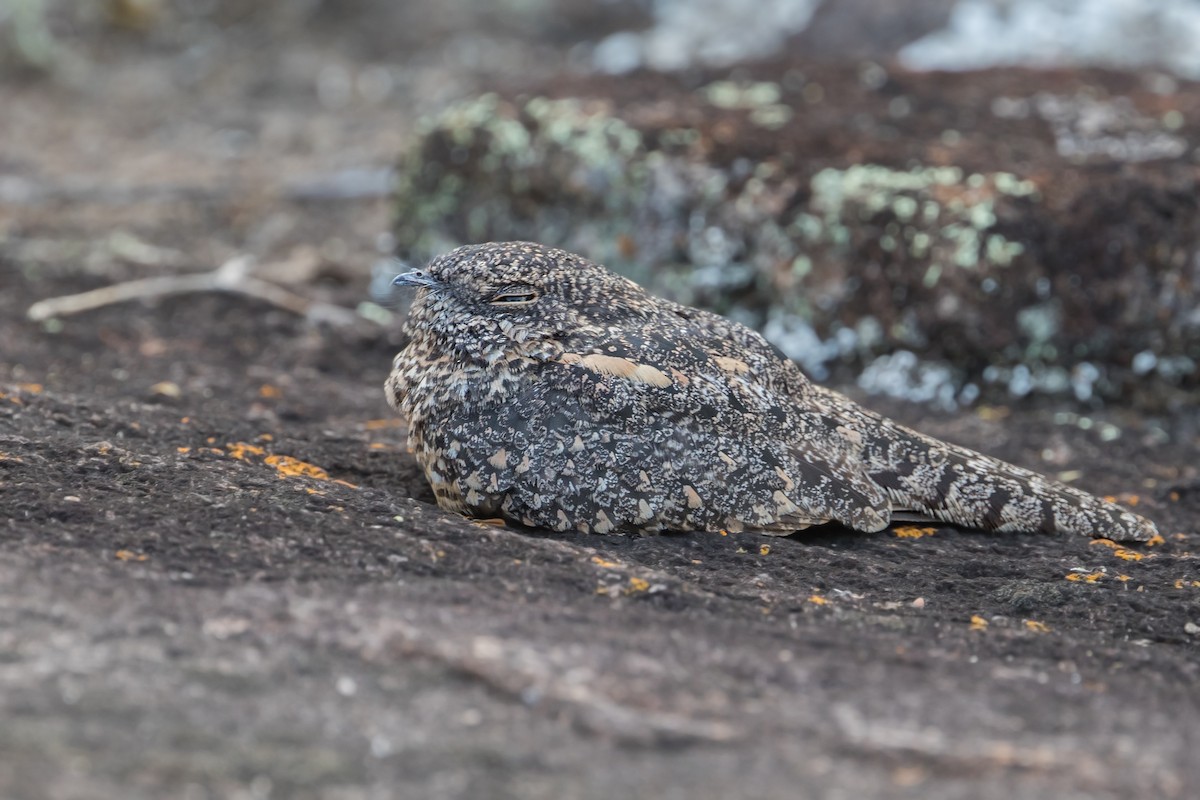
{"x":416,"y":278}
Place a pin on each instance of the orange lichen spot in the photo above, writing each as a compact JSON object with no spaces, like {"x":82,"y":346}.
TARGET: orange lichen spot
{"x":264,"y":437}
{"x":1155,"y":540}
{"x":7,"y":457}
{"x":602,"y":590}
{"x":1110,"y":498}
{"x":377,"y":446}
{"x":32,"y":388}
{"x":289,"y":467}
{"x":1037,"y":627}
{"x":978,"y":623}
{"x":350,"y":485}
{"x":913,"y":532}
{"x":764,"y":549}
{"x":1181,"y":583}
{"x":605,"y":563}
{"x":723,"y":532}
{"x":1174,"y":497}
{"x":310,"y":490}
{"x":1131,"y":499}
{"x":817,"y":600}
{"x":211,"y":440}
{"x":1085,"y":577}
{"x":1129,"y":555}
{"x":1105,"y":543}
{"x":185,"y":420}
{"x":992,"y":413}
{"x":240,"y":450}
{"x":129,"y":555}
{"x":269,"y":391}
{"x":637,"y":584}
{"x":1124,"y":578}
{"x":380,"y":424}
{"x":183,"y":450}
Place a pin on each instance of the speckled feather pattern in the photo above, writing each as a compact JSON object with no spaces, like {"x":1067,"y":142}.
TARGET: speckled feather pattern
{"x":547,"y":390}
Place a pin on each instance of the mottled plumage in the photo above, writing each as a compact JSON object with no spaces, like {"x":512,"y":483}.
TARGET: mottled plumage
{"x":545,"y":389}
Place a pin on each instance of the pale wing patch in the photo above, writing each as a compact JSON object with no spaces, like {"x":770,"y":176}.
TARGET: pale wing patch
{"x":651,"y":375}
{"x":788,"y":483}
{"x":603,"y":523}
{"x":619,"y":368}
{"x":850,"y":435}
{"x":783,"y":504}
{"x":734,"y":365}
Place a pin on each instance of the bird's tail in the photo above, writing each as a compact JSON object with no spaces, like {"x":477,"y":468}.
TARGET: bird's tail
{"x":942,"y":481}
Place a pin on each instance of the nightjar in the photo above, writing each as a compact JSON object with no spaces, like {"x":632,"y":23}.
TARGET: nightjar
{"x":544,"y":389}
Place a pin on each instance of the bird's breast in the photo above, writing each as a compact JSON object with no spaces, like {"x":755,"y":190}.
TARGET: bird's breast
{"x":429,"y":380}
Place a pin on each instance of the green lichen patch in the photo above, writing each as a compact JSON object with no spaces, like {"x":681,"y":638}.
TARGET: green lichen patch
{"x":495,"y":169}
{"x":883,"y":217}
{"x":936,"y":213}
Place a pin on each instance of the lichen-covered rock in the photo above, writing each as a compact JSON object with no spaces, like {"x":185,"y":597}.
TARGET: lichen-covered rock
{"x":942,"y":237}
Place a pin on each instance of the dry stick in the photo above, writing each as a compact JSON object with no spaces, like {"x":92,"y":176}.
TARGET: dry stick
{"x":229,"y":277}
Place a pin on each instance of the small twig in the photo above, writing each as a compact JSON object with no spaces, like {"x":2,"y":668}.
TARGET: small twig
{"x":232,"y":276}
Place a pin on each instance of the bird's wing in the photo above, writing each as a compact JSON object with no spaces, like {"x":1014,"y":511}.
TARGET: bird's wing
{"x":718,"y":406}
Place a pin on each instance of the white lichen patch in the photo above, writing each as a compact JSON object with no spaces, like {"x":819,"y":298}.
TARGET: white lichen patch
{"x":1085,"y":127}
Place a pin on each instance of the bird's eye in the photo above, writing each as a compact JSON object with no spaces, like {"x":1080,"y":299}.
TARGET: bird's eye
{"x":514,"y":296}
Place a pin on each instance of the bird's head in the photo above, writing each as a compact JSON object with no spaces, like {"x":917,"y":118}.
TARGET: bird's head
{"x":484,"y":299}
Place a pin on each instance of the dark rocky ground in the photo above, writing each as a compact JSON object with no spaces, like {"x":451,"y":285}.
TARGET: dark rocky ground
{"x":222,"y":576}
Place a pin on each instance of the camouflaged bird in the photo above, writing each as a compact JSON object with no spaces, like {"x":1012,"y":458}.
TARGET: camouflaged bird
{"x":547,"y":390}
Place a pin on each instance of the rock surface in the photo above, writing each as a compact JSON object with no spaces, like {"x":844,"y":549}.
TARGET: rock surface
{"x":247,"y":588}
{"x":222,"y":576}
{"x":1022,"y":232}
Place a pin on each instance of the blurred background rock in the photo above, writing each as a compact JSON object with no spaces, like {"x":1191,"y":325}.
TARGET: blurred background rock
{"x":828,"y":172}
